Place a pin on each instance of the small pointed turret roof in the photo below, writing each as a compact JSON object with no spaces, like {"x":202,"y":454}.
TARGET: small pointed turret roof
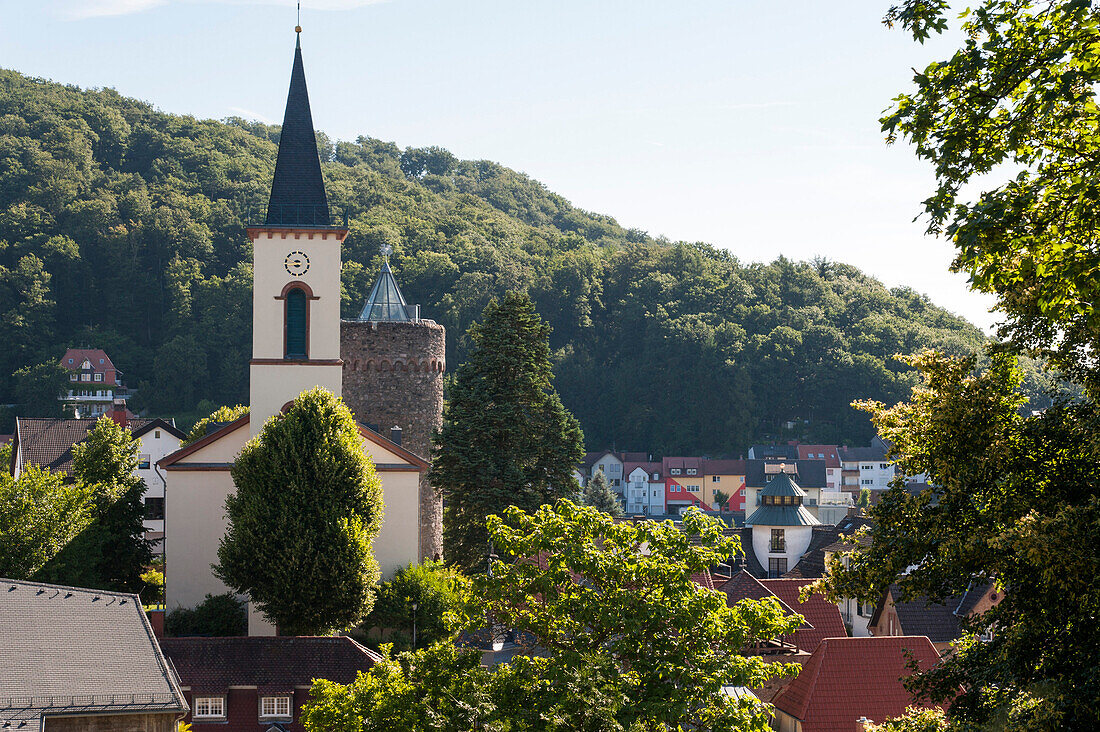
{"x":782,"y":485}
{"x":385,"y":302}
{"x":297,"y":190}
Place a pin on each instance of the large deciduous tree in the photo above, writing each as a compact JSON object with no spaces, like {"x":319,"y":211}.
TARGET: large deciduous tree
{"x":111,"y":553}
{"x":626,"y":639}
{"x":1013,"y":500}
{"x":307,"y":507}
{"x":506,"y":438}
{"x":39,"y":514}
{"x":1013,"y":113}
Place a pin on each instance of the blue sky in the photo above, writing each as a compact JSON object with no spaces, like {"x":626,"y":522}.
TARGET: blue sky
{"x":751,"y":125}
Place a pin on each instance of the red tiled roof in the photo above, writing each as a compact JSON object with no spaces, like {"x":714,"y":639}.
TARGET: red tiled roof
{"x":811,"y":452}
{"x":743,"y":586}
{"x":649,"y":467}
{"x":275,"y":664}
{"x":822,"y":615}
{"x":681,"y":462}
{"x":94,"y":356}
{"x":849,"y":678}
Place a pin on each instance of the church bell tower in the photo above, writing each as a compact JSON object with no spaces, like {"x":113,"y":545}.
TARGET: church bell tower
{"x":296,"y":271}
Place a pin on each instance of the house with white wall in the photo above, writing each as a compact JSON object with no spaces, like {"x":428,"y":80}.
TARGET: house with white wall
{"x":644,"y":488}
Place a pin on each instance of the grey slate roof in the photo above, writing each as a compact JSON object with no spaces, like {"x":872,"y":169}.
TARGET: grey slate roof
{"x":811,"y":473}
{"x":297,"y":190}
{"x":385,"y":302}
{"x":66,"y":650}
{"x":761,"y":452}
{"x":781,"y":516}
{"x":874,"y":453}
{"x":782,"y":485}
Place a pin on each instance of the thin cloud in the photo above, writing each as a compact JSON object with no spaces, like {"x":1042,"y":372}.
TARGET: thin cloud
{"x":249,"y":114}
{"x":83,"y":9}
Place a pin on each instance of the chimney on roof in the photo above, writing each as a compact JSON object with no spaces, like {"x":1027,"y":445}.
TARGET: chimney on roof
{"x":395,"y":435}
{"x":119,"y":414}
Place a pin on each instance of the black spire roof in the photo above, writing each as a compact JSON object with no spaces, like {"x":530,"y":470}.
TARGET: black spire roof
{"x":297,"y":191}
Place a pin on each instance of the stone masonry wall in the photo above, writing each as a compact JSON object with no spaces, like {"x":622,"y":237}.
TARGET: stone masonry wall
{"x":393,"y":375}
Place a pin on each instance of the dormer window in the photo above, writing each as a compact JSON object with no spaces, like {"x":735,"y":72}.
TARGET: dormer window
{"x":691,"y":471}
{"x":674,"y":471}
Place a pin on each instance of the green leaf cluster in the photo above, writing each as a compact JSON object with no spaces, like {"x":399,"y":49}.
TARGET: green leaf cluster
{"x":1011,"y":126}
{"x":438,"y":591}
{"x":621,"y":638}
{"x":111,"y":552}
{"x":506,"y":438}
{"x":216,"y":615}
{"x":300,"y":525}
{"x":1012,"y":500}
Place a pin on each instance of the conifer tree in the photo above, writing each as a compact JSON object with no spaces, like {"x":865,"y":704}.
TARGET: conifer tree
{"x":506,"y":438}
{"x":307,"y":506}
{"x":598,"y":494}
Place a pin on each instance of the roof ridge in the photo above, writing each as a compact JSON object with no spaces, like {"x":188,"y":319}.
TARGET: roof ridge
{"x":88,"y":590}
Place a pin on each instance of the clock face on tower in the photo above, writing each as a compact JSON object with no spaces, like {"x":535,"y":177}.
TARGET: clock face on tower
{"x":296,"y":263}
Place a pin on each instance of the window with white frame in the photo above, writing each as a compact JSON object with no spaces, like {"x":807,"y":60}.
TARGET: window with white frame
{"x":866,"y":467}
{"x":209,"y":707}
{"x":867,"y":481}
{"x":275,"y":706}
{"x":143,"y":461}
{"x":691,"y":471}
{"x":99,"y":377}
{"x":716,"y":479}
{"x":674,"y":471}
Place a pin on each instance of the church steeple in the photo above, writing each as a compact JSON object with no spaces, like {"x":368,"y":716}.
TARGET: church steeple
{"x":298,"y":190}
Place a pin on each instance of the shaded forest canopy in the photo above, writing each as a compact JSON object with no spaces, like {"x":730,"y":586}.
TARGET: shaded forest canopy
{"x":122,"y":227}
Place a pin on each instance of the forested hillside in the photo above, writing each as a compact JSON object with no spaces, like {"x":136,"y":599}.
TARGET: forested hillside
{"x":122,"y":227}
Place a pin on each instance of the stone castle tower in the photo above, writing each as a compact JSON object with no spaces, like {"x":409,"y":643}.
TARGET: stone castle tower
{"x":393,"y":364}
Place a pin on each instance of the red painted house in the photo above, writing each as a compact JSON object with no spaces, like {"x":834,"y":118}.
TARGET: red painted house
{"x":259,"y":683}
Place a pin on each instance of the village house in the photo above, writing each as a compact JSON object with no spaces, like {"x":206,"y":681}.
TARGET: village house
{"x":75,"y":659}
{"x":259,"y":683}
{"x":95,"y":384}
{"x":941,"y":622}
{"x":48,"y":443}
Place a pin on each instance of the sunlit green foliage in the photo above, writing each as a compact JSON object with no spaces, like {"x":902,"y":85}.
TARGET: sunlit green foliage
{"x":626,"y":639}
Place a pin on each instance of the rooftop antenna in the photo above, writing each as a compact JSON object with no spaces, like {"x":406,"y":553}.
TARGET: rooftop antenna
{"x":298,"y":27}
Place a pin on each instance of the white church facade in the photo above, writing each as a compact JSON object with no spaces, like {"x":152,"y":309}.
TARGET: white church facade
{"x":296,"y":346}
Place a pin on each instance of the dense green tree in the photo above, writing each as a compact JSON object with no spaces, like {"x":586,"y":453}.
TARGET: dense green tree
{"x":598,"y":495}
{"x":111,"y":553}
{"x":1011,"y":125}
{"x":1013,"y":500}
{"x":722,"y":499}
{"x":627,"y":640}
{"x":38,"y":387}
{"x":433,"y":588}
{"x":39,"y":514}
{"x":506,"y":438}
{"x":306,"y":480}
{"x":221,"y":415}
{"x":216,"y":615}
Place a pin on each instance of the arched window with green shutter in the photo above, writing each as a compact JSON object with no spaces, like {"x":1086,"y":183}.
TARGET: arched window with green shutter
{"x":296,"y":324}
